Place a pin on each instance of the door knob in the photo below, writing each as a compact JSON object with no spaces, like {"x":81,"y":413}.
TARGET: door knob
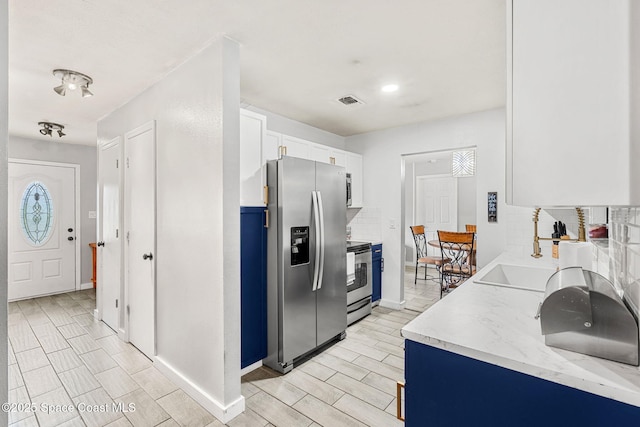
{"x":100,"y":244}
{"x":70,"y":238}
{"x":148,"y":256}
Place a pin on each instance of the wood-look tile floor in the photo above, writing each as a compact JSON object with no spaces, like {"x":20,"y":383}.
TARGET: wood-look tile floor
{"x":59,"y":355}
{"x":352,"y":383}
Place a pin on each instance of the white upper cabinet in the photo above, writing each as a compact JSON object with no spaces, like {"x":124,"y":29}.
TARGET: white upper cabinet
{"x":320,"y":153}
{"x":252,"y":132}
{"x":271,"y":146}
{"x":259,"y":145}
{"x":296,"y":147}
{"x":325,"y":154}
{"x":354,"y":167}
{"x":338,"y":157}
{"x":573,"y":102}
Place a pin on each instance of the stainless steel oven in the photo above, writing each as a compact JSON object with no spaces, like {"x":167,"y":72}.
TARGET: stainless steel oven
{"x":359,"y":283}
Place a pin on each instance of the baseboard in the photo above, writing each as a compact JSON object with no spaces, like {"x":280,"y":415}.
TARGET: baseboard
{"x":221,"y":412}
{"x":85,"y":286}
{"x":392,"y":304}
{"x":252,"y":367}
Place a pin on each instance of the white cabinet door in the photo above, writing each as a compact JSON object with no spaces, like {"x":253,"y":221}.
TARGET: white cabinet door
{"x":296,"y":147}
{"x":271,"y":146}
{"x":338,"y":157}
{"x":320,"y":153}
{"x":354,"y":167}
{"x":252,"y":132}
{"x":572,"y":70}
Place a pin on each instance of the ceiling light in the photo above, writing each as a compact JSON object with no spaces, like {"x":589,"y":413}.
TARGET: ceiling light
{"x":390,"y":87}
{"x":86,"y":92}
{"x":71,"y":80}
{"x":49,"y":127}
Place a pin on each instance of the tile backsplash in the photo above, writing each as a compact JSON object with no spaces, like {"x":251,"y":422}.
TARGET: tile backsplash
{"x":624,"y":250}
{"x":520,"y":227}
{"x":365,"y":223}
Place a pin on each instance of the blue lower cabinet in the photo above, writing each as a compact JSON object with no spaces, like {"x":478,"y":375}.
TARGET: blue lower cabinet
{"x":377,"y":264}
{"x":253,"y":285}
{"x":447,"y":389}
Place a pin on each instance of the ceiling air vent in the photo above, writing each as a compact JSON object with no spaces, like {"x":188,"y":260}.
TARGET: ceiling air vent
{"x":350,"y":100}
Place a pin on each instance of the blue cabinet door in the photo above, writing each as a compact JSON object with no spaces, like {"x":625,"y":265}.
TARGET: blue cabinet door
{"x":447,"y":389}
{"x":377,"y":262}
{"x":253,"y":285}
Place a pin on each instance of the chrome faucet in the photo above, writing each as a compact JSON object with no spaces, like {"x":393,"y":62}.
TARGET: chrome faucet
{"x":582,"y":235}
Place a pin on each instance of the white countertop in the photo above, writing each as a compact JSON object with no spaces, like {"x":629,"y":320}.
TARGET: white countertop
{"x":496,"y":325}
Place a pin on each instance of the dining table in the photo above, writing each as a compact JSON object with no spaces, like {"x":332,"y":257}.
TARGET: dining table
{"x":465,"y":247}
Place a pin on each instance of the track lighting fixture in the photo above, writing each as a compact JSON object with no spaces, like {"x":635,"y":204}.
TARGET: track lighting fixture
{"x":49,"y":127}
{"x":71,"y":80}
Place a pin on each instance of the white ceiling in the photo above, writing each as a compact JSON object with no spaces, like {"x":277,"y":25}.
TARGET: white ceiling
{"x":297,"y":57}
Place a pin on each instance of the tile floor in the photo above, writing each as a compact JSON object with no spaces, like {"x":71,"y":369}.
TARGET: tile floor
{"x":59,"y":355}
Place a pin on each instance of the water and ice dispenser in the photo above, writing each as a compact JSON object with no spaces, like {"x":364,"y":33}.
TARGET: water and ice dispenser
{"x":299,"y":245}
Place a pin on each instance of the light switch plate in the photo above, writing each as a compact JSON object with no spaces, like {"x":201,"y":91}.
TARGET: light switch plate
{"x":92,"y":215}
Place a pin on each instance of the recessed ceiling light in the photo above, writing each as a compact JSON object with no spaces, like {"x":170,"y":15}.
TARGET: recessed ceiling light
{"x":390,"y":87}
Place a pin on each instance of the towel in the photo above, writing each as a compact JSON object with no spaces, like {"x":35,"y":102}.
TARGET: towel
{"x":351,"y":267}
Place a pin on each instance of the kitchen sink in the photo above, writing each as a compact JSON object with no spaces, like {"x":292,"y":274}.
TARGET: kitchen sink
{"x":517,"y":277}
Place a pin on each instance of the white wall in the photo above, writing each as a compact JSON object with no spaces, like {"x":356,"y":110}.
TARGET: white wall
{"x":281,"y":124}
{"x":382,"y":152}
{"x":196,"y":108}
{"x":4,"y":132}
{"x":83,"y":155}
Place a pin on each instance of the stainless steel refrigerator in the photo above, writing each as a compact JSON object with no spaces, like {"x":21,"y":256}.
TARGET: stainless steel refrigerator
{"x":306,"y":261}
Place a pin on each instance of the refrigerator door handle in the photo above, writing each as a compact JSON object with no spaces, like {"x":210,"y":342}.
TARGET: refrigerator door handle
{"x":316,"y":219}
{"x":321,"y":269}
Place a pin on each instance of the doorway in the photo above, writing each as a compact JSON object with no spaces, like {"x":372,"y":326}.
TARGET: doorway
{"x":42,"y":228}
{"x":140,"y":232}
{"x":433,"y":197}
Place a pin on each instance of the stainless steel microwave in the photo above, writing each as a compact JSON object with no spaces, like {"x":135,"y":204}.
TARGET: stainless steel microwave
{"x":348,"y":189}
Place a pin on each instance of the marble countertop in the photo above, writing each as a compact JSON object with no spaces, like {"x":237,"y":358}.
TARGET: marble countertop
{"x":496,"y":325}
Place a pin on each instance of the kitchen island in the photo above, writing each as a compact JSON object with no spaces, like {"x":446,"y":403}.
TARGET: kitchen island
{"x":477,"y":357}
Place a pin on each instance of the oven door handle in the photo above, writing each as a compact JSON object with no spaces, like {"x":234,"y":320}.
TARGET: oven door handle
{"x":358,"y":305}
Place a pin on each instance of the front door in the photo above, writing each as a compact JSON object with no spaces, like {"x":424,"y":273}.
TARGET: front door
{"x":140,"y":206}
{"x":109,"y":247}
{"x":42,"y":229}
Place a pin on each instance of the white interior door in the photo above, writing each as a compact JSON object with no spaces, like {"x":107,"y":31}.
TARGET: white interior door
{"x":436,"y":206}
{"x":42,"y":229}
{"x":109,"y":242}
{"x":140,"y":205}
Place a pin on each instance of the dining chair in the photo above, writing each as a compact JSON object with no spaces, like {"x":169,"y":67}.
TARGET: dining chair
{"x":458,"y":249}
{"x":421,"y":254}
{"x":470,"y":228}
